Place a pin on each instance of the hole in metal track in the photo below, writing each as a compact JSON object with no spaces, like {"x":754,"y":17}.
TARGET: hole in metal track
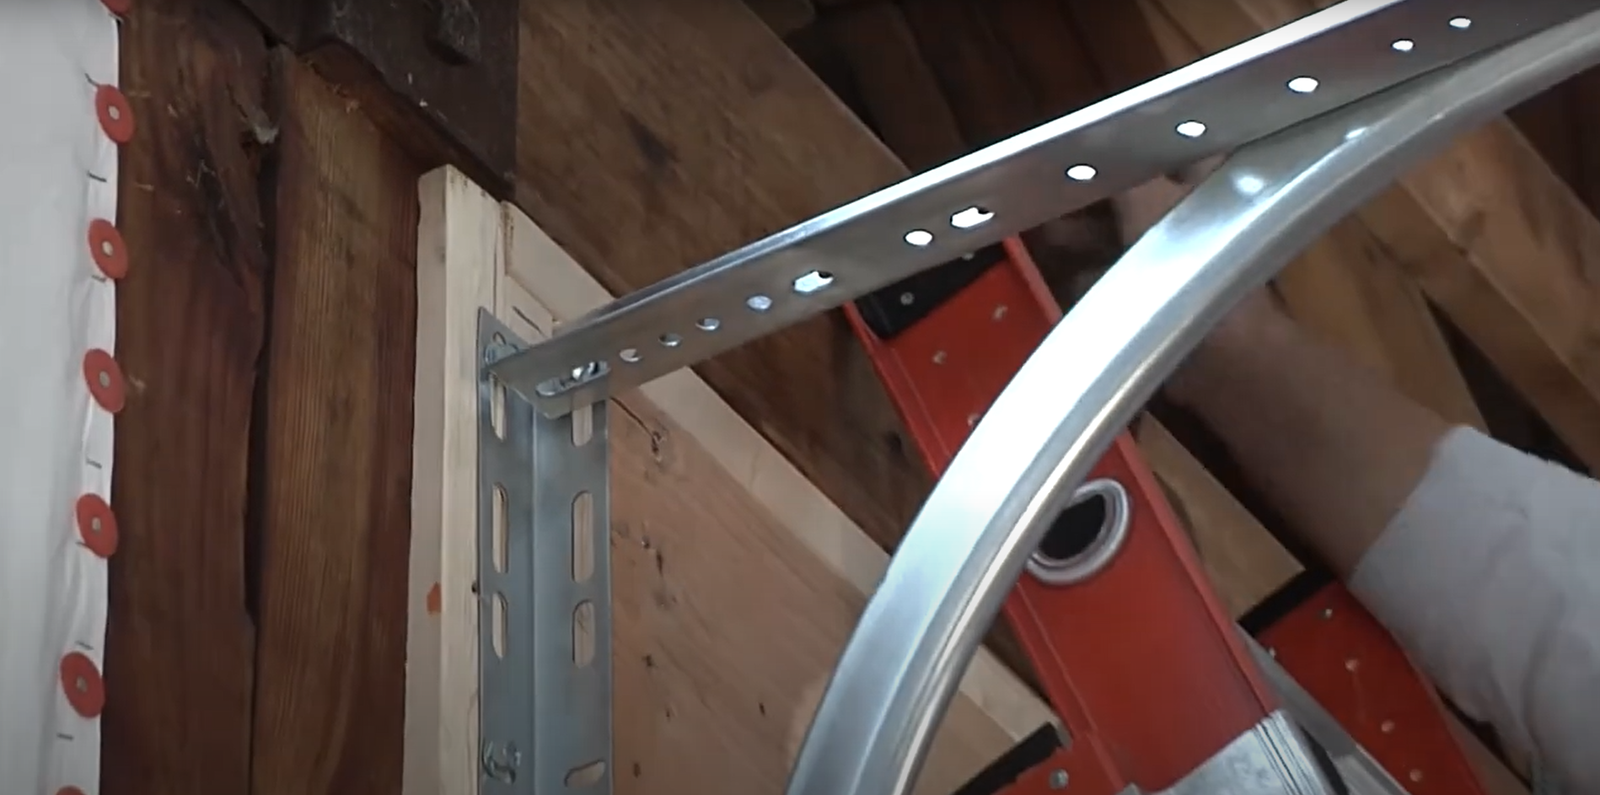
{"x":1303,"y":84}
{"x":583,"y":539}
{"x":971,"y":217}
{"x":583,"y":634}
{"x":582,"y":426}
{"x":585,"y":775}
{"x":499,"y":621}
{"x":499,"y":534}
{"x":497,"y":407}
{"x":812,"y":282}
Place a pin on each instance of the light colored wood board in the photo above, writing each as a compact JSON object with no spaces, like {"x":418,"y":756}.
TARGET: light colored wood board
{"x":1245,"y":562}
{"x":1529,"y":238}
{"x":459,"y":252}
{"x":1346,"y":287}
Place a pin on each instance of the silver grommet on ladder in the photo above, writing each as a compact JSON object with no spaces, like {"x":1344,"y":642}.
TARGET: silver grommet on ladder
{"x":1086,"y":536}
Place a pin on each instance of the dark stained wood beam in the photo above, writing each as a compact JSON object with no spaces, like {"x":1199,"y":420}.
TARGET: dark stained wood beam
{"x":657,"y":135}
{"x":335,"y":470}
{"x":784,"y":16}
{"x":900,"y":92}
{"x":438,"y":75}
{"x":976,"y":71}
{"x":180,"y":643}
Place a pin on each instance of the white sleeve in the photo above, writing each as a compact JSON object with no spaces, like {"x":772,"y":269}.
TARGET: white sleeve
{"x":1490,"y":577}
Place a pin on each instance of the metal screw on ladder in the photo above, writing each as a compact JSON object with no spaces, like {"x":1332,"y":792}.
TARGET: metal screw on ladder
{"x":1058,"y":779}
{"x":454,"y":34}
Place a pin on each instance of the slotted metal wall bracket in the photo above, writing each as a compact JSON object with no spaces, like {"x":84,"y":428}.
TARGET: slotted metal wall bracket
{"x":544,"y":589}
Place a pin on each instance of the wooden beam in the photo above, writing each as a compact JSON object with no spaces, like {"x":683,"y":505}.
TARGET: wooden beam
{"x":330,"y":664}
{"x":976,"y":70}
{"x":1347,"y":287}
{"x":180,"y":643}
{"x":735,"y":580}
{"x":1493,"y":237}
{"x":902,"y":95}
{"x":1052,"y":61}
{"x":1245,"y":562}
{"x":658,"y":135}
{"x":1509,"y":252}
{"x":784,"y":16}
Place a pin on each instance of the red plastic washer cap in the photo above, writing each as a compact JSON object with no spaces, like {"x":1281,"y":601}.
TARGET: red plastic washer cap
{"x":97,"y":525}
{"x":104,"y":378}
{"x":69,"y":791}
{"x":116,"y":115}
{"x":81,"y":681}
{"x":105,"y":246}
{"x":118,"y":7}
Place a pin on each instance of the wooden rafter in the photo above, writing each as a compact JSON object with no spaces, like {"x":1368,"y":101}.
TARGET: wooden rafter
{"x":1346,"y":287}
{"x":1490,"y":234}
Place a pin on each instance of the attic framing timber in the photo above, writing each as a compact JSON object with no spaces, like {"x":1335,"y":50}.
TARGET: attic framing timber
{"x":1486,"y":231}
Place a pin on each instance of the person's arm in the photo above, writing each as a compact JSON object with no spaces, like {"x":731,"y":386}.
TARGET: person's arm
{"x":1483,"y":562}
{"x":1334,"y":448}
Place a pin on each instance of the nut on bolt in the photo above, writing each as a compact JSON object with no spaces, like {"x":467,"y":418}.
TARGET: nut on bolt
{"x":500,"y":762}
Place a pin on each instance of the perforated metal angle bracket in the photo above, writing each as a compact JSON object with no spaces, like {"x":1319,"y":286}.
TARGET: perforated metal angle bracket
{"x":544,"y":588}
{"x":1309,"y":67}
